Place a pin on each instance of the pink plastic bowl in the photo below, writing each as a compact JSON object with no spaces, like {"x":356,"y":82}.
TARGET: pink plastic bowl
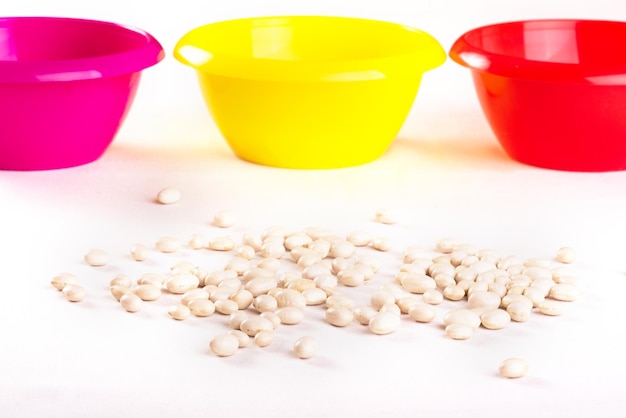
{"x":553,"y":91}
{"x":66,"y":86}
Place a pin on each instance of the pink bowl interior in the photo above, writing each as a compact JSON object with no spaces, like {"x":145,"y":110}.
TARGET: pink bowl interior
{"x":66,"y":86}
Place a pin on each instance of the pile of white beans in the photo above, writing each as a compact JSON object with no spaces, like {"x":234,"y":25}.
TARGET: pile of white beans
{"x":273,"y":277}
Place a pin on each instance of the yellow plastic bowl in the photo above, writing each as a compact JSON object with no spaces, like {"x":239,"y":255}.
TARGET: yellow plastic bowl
{"x":309,"y":91}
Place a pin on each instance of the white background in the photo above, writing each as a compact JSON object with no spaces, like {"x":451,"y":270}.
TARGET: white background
{"x":445,"y":175}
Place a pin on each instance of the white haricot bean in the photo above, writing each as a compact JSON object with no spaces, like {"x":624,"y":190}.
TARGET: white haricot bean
{"x":340,"y":301}
{"x":551,"y":307}
{"x":391,"y":308}
{"x":121,"y":280}
{"x":564,"y":292}
{"x":321,"y":247}
{"x":168,"y":244}
{"x":535,"y":294}
{"x":447,"y":245}
{"x":290,"y":297}
{"x":443,"y":280}
{"x":381,"y":244}
{"x":197,"y":293}
{"x":314,"y":270}
{"x":306,"y":260}
{"x":463,"y":273}
{"x":314,"y":296}
{"x":148,"y":292}
{"x":272,"y":317}
{"x":97,"y":257}
{"x":342,"y":249}
{"x":182,"y":267}
{"x":181,"y":283}
{"x":477,"y":287}
{"x":339,"y":316}
{"x":261,"y":285}
{"x":497,"y":288}
{"x":441,"y":268}
{"x":483,"y":300}
{"x":513,"y":368}
{"x":139,"y":252}
{"x":301,"y":284}
{"x":118,"y":291}
{"x":216,"y":277}
{"x":519,"y":311}
{"x":179,"y":312}
{"x":433,"y":297}
{"x":197,"y":242}
{"x":290,"y":315}
{"x":421,"y":312}
{"x":275,"y":231}
{"x":224,"y":345}
{"x":225,"y":306}
{"x":317,"y":232}
{"x":459,"y":331}
{"x":359,"y":238}
{"x":405,"y":303}
{"x":224,"y":219}
{"x":243,"y":298}
{"x":363,"y":314}
{"x":380,"y":298}
{"x":305,"y":347}
{"x":236,"y":318}
{"x":131,"y":302}
{"x":221,"y":293}
{"x":246,"y":252}
{"x":326,"y":281}
{"x":253,"y":240}
{"x":386,"y":216}
{"x":242,"y":337}
{"x":234,"y":284}
{"x":298,"y":239}
{"x":495,"y":318}
{"x":221,"y":243}
{"x":272,"y":250}
{"x":201,"y":307}
{"x":74,"y":292}
{"x":254,"y":324}
{"x":263,"y":338}
{"x":454,"y":293}
{"x":61,"y":280}
{"x":565,"y":255}
{"x":168,"y":195}
{"x":462,"y":316}
{"x":265,"y":303}
{"x":269,"y":264}
{"x":351,"y":277}
{"x":416,"y":282}
{"x":512,"y":298}
{"x":384,"y":323}
{"x":538,"y":272}
{"x":538,"y":262}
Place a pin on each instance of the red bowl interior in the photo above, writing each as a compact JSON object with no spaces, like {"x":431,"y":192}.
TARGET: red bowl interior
{"x":553,"y":91}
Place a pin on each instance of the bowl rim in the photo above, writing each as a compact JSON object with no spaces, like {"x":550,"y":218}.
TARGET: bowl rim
{"x":468,"y":54}
{"x":427,"y":54}
{"x":147,"y":54}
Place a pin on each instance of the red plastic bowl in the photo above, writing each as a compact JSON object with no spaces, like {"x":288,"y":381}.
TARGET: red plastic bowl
{"x":66,"y":86}
{"x":553,"y":91}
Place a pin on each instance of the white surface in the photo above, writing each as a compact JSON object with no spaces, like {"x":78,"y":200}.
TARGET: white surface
{"x":446,"y":176}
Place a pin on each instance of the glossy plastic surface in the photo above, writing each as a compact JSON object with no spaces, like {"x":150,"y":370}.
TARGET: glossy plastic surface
{"x":309,"y":91}
{"x":66,"y":86}
{"x":553,"y":91}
